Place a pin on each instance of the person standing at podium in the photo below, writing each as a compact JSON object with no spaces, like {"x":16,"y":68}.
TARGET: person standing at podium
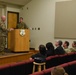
{"x":3,"y":34}
{"x":21,"y":24}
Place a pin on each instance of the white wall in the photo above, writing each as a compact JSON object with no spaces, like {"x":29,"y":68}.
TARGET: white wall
{"x":41,"y":13}
{"x":11,"y":8}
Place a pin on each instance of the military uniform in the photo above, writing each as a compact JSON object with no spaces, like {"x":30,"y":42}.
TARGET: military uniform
{"x":21,"y":25}
{"x":73,"y":49}
{"x":3,"y":35}
{"x":67,"y":50}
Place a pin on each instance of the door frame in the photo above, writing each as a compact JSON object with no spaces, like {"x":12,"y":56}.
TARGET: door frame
{"x":7,"y":20}
{"x":15,"y":13}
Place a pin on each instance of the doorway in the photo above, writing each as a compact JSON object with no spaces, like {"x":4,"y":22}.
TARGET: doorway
{"x":12,"y":20}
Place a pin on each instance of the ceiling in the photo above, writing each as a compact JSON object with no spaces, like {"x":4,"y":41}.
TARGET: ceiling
{"x":16,"y":2}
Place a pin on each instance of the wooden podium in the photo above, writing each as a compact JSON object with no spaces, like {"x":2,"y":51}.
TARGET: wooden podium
{"x":19,"y":40}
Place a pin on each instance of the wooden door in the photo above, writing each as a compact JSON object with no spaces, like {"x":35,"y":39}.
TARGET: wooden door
{"x":12,"y":20}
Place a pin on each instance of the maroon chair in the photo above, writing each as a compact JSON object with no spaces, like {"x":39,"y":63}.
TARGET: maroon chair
{"x":64,"y":65}
{"x":38,"y":73}
{"x":51,"y":57}
{"x":18,"y":68}
{"x":72,"y":68}
{"x":71,"y":56}
{"x":4,"y":66}
{"x":69,"y":66}
{"x":63,"y":55}
{"x":5,"y":69}
{"x":51,"y":61}
{"x":71,"y":53}
{"x":47,"y":71}
{"x":72,"y":62}
{"x":21,"y":68}
{"x":63,"y":58}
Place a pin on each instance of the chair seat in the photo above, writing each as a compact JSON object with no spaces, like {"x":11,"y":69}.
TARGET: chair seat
{"x":39,"y":63}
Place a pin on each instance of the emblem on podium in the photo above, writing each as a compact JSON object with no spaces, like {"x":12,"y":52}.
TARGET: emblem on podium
{"x":22,"y":32}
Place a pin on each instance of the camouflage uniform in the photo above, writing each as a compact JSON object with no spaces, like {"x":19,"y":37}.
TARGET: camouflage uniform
{"x":3,"y":35}
{"x":21,"y":25}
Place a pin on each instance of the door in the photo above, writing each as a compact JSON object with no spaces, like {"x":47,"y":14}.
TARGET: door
{"x":12,"y":20}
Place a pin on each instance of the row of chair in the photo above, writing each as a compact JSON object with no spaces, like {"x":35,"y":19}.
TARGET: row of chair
{"x":60,"y":59}
{"x":25,"y":67}
{"x":17,"y":68}
{"x":69,"y":67}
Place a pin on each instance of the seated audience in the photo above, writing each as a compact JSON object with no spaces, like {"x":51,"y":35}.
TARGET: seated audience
{"x":65,"y":45}
{"x":59,"y":50}
{"x":73,"y":49}
{"x":58,"y":71}
{"x":41,"y":55}
{"x":50,"y":49}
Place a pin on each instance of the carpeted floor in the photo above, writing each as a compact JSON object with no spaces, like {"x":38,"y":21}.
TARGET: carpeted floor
{"x":9,"y":52}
